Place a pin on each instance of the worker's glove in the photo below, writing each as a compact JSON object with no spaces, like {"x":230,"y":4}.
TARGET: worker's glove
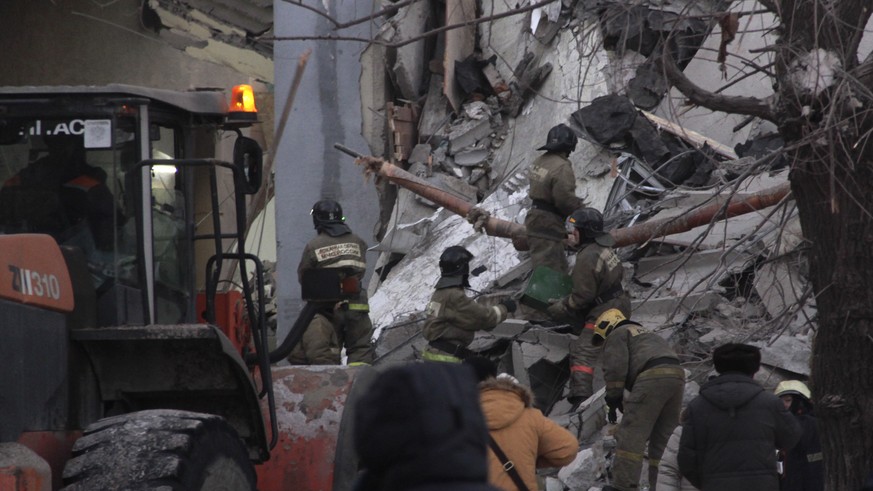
{"x":614,"y":403}
{"x":611,"y":415}
{"x":478,"y":217}
{"x":509,"y":304}
{"x":556,"y":310}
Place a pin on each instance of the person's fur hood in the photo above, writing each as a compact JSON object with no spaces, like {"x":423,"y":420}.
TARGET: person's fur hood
{"x":507,"y":384}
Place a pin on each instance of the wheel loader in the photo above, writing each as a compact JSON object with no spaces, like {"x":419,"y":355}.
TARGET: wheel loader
{"x":135,"y":350}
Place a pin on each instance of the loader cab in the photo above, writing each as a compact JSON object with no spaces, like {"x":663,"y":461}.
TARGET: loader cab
{"x":72,"y":166}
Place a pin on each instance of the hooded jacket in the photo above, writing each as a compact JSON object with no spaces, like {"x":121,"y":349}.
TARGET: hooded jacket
{"x":731,"y":434}
{"x":669,"y":477}
{"x":419,"y":427}
{"x":529,"y":439}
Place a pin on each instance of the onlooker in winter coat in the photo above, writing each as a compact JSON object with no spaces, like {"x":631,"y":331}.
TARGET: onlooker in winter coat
{"x":669,"y":477}
{"x":802,"y":466}
{"x":734,"y":427}
{"x":527,"y":438}
{"x":419,"y":427}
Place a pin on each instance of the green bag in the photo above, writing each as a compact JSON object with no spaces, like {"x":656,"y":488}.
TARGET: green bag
{"x":545,"y":283}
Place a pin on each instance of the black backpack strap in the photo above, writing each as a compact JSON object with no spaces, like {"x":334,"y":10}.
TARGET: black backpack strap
{"x":508,"y":466}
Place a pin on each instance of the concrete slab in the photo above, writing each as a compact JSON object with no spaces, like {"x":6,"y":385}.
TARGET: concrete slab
{"x":460,"y":44}
{"x":683,"y":273}
{"x":467,"y":133}
{"x":472,"y":156}
{"x":410,"y":64}
{"x":374,"y":97}
{"x":787,"y":353}
{"x":655,"y":312}
{"x":436,"y":113}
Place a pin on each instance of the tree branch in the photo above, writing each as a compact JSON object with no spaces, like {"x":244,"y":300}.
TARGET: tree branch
{"x":328,"y":37}
{"x":750,"y":106}
{"x":387,"y":11}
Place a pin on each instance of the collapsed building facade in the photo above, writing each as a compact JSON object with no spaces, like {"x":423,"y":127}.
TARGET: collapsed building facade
{"x":464,"y":110}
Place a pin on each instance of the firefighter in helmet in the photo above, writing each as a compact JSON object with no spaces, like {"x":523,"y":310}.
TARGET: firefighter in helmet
{"x":803,"y":467}
{"x":452,"y":317}
{"x":553,"y":196}
{"x":337,"y":247}
{"x":597,"y":287}
{"x":643,"y":364}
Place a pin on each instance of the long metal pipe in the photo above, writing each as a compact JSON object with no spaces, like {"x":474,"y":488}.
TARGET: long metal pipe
{"x":637,"y":234}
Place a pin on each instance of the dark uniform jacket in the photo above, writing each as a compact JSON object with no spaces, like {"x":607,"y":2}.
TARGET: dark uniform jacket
{"x":731,"y":433}
{"x":553,"y":191}
{"x":803,"y":465}
{"x":455,"y":317}
{"x":345,"y":252}
{"x":628,"y":351}
{"x":597,"y":286}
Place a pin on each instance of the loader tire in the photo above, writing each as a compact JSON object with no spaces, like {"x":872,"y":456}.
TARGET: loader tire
{"x":159,"y":450}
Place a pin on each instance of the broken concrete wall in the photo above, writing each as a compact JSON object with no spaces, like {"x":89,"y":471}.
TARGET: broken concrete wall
{"x":65,"y":43}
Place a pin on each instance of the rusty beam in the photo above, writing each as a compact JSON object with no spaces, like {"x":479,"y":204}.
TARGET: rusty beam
{"x":720,"y":209}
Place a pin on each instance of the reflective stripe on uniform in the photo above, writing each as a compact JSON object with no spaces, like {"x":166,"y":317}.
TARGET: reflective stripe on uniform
{"x":347,"y":263}
{"x":359,"y":307}
{"x":615,"y":385}
{"x":654,"y":462}
{"x":359,"y":364}
{"x":582,"y":368}
{"x":431,"y":356}
{"x":663,"y":371}
{"x":624,"y":454}
{"x":497,"y":311}
{"x":814,"y":457}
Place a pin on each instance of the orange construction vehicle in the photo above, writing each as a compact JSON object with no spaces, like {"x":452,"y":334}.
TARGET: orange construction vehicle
{"x":134,"y":347}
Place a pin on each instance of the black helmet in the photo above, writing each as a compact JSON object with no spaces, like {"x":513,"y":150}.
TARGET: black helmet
{"x":588,"y":221}
{"x":560,"y":139}
{"x":325,"y":212}
{"x":455,"y":261}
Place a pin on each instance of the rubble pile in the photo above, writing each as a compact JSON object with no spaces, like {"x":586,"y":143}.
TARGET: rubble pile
{"x":465,"y":111}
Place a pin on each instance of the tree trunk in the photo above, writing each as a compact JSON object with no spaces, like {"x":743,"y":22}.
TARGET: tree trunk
{"x":837,"y":221}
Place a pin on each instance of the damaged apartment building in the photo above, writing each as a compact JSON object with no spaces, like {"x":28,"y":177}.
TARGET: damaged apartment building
{"x":463,"y":111}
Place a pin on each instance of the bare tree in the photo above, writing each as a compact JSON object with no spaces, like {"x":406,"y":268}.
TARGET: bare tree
{"x":823,"y":107}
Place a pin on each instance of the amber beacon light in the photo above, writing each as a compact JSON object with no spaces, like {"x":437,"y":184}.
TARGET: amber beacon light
{"x":242,"y":103}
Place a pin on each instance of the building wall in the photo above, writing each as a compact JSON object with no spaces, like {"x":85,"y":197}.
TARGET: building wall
{"x":73,"y":42}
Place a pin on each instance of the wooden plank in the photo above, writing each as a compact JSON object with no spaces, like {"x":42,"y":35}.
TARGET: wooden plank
{"x":691,"y":137}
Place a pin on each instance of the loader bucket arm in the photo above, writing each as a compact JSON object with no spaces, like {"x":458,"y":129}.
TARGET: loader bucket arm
{"x":191,"y":367}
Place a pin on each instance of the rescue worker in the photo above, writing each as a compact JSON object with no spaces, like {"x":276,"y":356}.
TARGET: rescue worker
{"x":803,"y":468}
{"x":62,"y":195}
{"x":453,"y":317}
{"x":319,"y":344}
{"x":597,"y":288}
{"x":553,"y":196}
{"x":642,"y":363}
{"x":336,"y":246}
